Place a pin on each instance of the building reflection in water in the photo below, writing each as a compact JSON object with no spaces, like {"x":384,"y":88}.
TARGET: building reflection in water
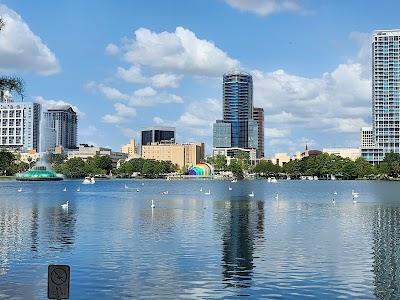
{"x":243,"y":229}
{"x":386,"y":252}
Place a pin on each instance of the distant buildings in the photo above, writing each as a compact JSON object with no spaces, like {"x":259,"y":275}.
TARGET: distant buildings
{"x":85,"y":151}
{"x":237,"y":129}
{"x":19,"y":123}
{"x":352,"y":153}
{"x":184,"y":155}
{"x":158,"y":135}
{"x":280,"y":159}
{"x":385,"y":97}
{"x":132,"y":149}
{"x":60,"y":128}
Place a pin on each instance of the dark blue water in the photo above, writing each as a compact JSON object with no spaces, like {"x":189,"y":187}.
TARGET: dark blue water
{"x":196,"y":246}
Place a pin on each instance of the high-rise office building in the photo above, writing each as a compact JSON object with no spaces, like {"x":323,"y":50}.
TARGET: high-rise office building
{"x":385,"y":95}
{"x":19,"y":123}
{"x":60,"y":127}
{"x":158,"y":135}
{"x":258,"y":116}
{"x":237,"y":129}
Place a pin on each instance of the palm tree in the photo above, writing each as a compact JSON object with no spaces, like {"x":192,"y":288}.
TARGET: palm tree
{"x":9,"y":83}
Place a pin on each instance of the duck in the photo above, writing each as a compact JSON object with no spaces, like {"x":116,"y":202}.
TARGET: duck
{"x":152,"y":204}
{"x":65,"y":205}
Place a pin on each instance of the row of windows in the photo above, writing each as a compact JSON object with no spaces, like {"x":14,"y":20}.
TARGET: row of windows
{"x":11,"y":140}
{"x":11,"y":131}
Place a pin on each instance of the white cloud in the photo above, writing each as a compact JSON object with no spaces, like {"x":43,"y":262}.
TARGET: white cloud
{"x":164,"y":80}
{"x":145,"y":92}
{"x":109,"y":92}
{"x":51,"y":103}
{"x":267,"y":7}
{"x":21,"y":49}
{"x":123,"y":114}
{"x":112,"y":49}
{"x":271,"y":133}
{"x":152,"y":100}
{"x":179,"y":52}
{"x":132,"y":75}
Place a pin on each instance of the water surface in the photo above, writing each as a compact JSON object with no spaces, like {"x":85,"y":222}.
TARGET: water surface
{"x":197,"y":246}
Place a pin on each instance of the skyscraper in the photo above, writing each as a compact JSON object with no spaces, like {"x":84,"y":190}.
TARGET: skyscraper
{"x":385,"y":95}
{"x":258,"y":116}
{"x":237,"y":129}
{"x":60,"y":127}
{"x":19,"y":123}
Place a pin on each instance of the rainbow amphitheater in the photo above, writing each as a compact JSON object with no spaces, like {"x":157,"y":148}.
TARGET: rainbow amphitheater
{"x":201,"y":169}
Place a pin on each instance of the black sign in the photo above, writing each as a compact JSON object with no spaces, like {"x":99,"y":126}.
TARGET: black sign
{"x":58,"y":282}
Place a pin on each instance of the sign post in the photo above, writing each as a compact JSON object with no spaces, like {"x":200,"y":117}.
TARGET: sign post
{"x":58,"y":278}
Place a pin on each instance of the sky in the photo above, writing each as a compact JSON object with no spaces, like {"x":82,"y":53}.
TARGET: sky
{"x":125,"y":65}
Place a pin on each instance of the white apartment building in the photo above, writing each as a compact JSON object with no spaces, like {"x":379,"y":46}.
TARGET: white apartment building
{"x":19,"y":124}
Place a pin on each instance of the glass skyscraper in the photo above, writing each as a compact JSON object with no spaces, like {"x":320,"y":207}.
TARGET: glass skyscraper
{"x":237,"y":129}
{"x":385,"y":95}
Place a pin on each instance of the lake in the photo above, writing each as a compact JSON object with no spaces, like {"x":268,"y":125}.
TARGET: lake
{"x":197,"y":246}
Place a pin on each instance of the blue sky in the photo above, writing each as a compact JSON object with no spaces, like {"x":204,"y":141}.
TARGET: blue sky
{"x":129,"y":64}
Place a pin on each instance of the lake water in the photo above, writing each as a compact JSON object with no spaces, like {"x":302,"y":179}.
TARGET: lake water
{"x":197,"y":246}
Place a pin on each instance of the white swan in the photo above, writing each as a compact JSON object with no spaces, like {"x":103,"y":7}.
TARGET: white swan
{"x":335,"y":193}
{"x":277,"y":197}
{"x":354,"y":201}
{"x":137,"y":190}
{"x":20,"y":190}
{"x":152,"y":204}
{"x":65,"y":205}
{"x":207,"y":193}
{"x":230,"y":188}
{"x":65,"y":189}
{"x":201,"y":189}
{"x":355,"y":195}
{"x":251,"y":194}
{"x":78,"y":189}
{"x":165,"y":193}
{"x":126,"y":186}
{"x":333,"y":201}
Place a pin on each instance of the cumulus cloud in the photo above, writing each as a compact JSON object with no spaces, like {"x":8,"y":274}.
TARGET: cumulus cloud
{"x":132,"y":75}
{"x":179,"y":52}
{"x":52,"y":103}
{"x":123,"y":114}
{"x":112,"y":49}
{"x":164,"y":80}
{"x":145,"y":92}
{"x":267,"y":7}
{"x":21,"y":49}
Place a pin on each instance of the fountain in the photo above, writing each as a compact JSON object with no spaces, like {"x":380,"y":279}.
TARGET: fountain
{"x":39,"y":173}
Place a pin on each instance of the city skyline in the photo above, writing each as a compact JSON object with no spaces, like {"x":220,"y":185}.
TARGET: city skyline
{"x":313,"y":82}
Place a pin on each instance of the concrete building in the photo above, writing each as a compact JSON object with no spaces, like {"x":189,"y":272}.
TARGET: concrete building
{"x":85,"y":151}
{"x":280,"y":159}
{"x":230,"y":153}
{"x":184,"y":155}
{"x":352,"y":153}
{"x":132,"y":149}
{"x":19,"y":124}
{"x":258,"y":116}
{"x":60,"y":127}
{"x":385,"y":95}
{"x":159,"y":134}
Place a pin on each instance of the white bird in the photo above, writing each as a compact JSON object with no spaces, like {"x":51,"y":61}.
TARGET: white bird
{"x":20,"y":190}
{"x":65,"y":189}
{"x":207,"y":193}
{"x":333,"y":201}
{"x":126,"y":186}
{"x":277,"y":197}
{"x":201,"y":189}
{"x":335,"y":193}
{"x":354,"y":201}
{"x":251,"y":194}
{"x":65,"y":205}
{"x":355,"y":195}
{"x":78,"y":189}
{"x":230,"y":188}
{"x":152,"y":204}
{"x":165,"y":193}
{"x":137,"y":190}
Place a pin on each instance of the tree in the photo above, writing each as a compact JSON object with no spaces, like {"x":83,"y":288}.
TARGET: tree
{"x":218,"y":162}
{"x":236,"y":168}
{"x":266,"y":167}
{"x":243,"y":159}
{"x":393,"y":162}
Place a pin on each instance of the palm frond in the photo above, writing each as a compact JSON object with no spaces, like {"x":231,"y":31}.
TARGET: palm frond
{"x":12,"y":84}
